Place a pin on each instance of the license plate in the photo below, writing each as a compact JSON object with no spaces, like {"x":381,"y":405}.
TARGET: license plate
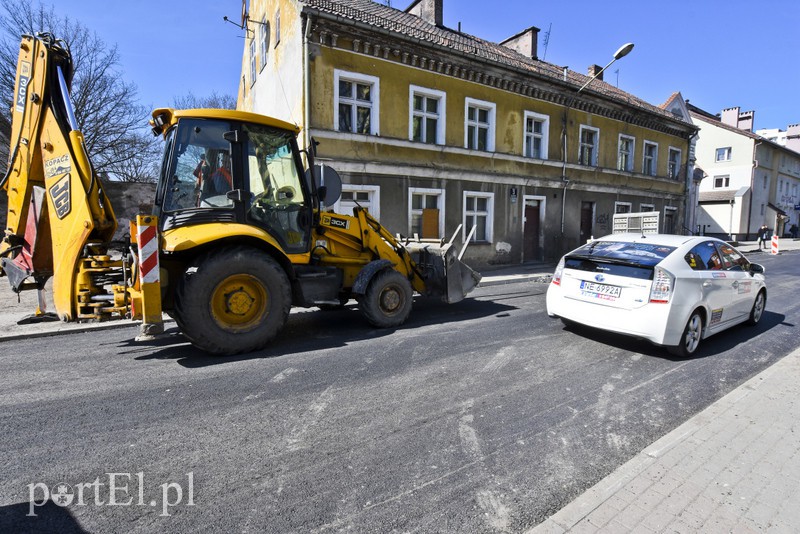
{"x":600,"y":291}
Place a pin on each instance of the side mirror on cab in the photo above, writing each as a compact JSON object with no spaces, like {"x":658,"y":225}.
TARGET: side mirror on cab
{"x":756,"y":268}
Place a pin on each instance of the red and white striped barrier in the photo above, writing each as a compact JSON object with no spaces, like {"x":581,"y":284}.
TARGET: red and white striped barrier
{"x":148,"y":254}
{"x":149,"y":294}
{"x":775,"y":245}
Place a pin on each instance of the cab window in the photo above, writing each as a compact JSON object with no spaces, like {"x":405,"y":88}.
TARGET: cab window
{"x":704,"y":257}
{"x":277,"y":199}
{"x":201,"y":167}
{"x":732,"y":259}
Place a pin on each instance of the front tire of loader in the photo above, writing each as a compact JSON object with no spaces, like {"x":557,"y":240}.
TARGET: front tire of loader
{"x":233,"y":300}
{"x":387,"y":300}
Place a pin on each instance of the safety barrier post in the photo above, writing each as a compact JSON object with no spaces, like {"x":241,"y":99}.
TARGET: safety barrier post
{"x":149,"y":275}
{"x":775,"y":245}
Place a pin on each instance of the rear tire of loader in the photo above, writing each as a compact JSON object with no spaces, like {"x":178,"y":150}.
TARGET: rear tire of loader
{"x":387,"y":301}
{"x":233,"y":300}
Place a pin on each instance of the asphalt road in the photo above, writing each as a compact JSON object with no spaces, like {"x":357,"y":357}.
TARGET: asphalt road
{"x":485,"y":416}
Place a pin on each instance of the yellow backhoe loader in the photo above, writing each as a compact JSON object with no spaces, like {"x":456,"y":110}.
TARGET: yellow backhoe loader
{"x":238,"y":235}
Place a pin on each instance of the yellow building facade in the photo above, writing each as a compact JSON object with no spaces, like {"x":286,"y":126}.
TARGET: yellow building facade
{"x":433,"y":129}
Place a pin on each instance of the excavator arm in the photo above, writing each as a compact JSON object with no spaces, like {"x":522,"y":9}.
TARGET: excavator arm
{"x":59,"y":218}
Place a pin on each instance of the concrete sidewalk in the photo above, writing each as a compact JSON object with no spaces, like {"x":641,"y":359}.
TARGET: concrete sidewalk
{"x":734,"y":467}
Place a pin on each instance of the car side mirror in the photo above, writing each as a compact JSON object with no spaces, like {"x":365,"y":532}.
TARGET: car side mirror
{"x":756,"y":268}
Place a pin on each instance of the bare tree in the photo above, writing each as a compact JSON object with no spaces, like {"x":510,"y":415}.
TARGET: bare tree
{"x":112,"y":121}
{"x":213,"y":101}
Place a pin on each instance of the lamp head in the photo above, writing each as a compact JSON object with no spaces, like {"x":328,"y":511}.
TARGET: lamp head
{"x":623,"y":51}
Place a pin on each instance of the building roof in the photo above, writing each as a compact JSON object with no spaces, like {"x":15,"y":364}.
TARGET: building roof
{"x":707,"y":117}
{"x":717,"y":196}
{"x":408,"y":25}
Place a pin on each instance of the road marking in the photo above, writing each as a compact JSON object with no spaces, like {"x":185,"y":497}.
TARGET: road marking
{"x":280,"y":377}
{"x":469,"y":438}
{"x":309,"y":419}
{"x":499,"y":361}
{"x":496,"y":511}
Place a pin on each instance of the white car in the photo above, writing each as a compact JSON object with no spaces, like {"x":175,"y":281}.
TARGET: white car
{"x":671,"y":290}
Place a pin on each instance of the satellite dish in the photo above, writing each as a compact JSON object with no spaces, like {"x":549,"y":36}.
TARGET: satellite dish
{"x":328,"y":182}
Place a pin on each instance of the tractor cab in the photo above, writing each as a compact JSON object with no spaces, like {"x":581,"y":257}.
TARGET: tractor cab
{"x":234,"y":167}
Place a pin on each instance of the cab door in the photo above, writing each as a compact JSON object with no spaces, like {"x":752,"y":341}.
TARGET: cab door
{"x":742,"y":287}
{"x":715,"y":283}
{"x":279,"y":199}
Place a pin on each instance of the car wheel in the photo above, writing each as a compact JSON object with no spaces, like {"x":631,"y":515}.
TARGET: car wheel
{"x":690,"y":339}
{"x":758,"y":308}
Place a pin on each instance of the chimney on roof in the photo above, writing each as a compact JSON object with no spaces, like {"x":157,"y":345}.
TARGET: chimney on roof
{"x":428,"y":10}
{"x":526,"y":42}
{"x":793,"y":137}
{"x":594,"y":70}
{"x":738,"y":119}
{"x":746,"y":120}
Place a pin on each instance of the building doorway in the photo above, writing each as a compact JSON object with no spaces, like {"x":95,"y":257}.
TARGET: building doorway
{"x":532,"y":216}
{"x":669,"y":220}
{"x":587,"y":222}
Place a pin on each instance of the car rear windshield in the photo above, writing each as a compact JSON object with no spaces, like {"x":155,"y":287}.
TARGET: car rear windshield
{"x":635,"y":260}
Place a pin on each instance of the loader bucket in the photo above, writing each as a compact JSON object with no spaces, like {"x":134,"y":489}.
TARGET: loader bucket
{"x":445,"y":275}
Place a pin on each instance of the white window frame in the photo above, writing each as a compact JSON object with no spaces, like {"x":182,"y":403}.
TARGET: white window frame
{"x":374,"y":199}
{"x":726,"y":181}
{"x":355,"y":77}
{"x":647,"y":207}
{"x":674,"y":150}
{"x":426,"y":191}
{"x":489,"y":216}
{"x":726,"y":153}
{"x":654,"y":170}
{"x":263,"y":38}
{"x":617,"y":204}
{"x":252,"y":61}
{"x":631,"y":154}
{"x":545,"y":135}
{"x":491,"y":107}
{"x":595,"y":146}
{"x":441,"y":119}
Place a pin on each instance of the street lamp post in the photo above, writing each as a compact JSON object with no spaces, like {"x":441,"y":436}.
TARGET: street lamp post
{"x":621,"y":52}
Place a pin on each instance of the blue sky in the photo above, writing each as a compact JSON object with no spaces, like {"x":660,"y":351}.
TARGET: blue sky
{"x":717,"y":53}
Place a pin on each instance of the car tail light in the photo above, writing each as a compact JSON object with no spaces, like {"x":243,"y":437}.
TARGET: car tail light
{"x":661,"y":290}
{"x":557,"y":275}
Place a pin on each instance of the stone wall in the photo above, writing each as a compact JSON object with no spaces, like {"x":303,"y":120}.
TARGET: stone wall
{"x":127,"y":199}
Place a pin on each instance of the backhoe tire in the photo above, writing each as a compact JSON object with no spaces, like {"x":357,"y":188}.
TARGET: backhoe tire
{"x":387,"y":301}
{"x":233,"y":300}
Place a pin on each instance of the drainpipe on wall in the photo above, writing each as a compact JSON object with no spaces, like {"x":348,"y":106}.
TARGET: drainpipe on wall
{"x":752,"y":188}
{"x":691,"y":198}
{"x":564,"y":180}
{"x":306,"y":85}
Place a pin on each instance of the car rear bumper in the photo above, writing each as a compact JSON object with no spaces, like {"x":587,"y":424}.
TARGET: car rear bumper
{"x":661,"y":324}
